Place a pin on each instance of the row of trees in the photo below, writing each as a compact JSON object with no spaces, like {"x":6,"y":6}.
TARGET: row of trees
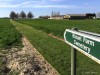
{"x":22,"y":14}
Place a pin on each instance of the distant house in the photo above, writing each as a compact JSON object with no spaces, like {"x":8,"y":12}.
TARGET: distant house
{"x":67,"y":17}
{"x":57,"y":17}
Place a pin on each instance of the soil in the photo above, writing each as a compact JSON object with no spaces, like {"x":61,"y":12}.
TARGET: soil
{"x":28,"y":61}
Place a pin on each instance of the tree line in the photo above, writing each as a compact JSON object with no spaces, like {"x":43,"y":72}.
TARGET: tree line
{"x":22,"y":14}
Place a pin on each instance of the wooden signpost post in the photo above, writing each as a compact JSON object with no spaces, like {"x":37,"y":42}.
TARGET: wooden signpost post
{"x":86,"y":42}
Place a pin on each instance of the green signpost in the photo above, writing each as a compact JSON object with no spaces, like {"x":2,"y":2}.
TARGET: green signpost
{"x":86,"y":42}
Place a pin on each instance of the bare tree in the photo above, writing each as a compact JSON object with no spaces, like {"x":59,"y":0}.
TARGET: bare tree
{"x":55,"y":13}
{"x":58,"y":13}
{"x":52,"y":13}
{"x":22,"y":14}
{"x":30,"y":15}
{"x":12,"y":15}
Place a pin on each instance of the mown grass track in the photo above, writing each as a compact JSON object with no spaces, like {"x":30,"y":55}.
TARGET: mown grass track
{"x":57,"y":53}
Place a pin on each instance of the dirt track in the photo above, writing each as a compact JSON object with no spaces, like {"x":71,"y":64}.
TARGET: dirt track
{"x":29,"y":61}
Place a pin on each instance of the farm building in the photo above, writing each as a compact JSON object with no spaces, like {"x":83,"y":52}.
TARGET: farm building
{"x":80,"y":16}
{"x":67,"y":17}
{"x":91,"y":16}
{"x":77,"y":16}
{"x":57,"y":17}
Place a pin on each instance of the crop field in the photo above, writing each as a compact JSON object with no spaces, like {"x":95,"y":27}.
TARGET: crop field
{"x":9,"y":38}
{"x":57,"y":52}
{"x":57,"y":27}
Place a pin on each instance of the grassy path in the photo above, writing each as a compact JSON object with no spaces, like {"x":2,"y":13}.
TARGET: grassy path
{"x":57,"y":53}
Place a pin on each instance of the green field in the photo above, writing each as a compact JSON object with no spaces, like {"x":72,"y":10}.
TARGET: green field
{"x":56,"y":52}
{"x":57,"y":27}
{"x":9,"y":38}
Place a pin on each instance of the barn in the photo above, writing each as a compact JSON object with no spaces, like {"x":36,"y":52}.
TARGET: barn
{"x":77,"y":16}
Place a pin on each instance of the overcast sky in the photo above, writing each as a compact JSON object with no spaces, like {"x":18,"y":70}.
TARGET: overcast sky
{"x":45,"y":7}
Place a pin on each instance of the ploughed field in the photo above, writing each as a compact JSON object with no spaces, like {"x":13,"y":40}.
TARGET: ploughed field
{"x":57,"y":52}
